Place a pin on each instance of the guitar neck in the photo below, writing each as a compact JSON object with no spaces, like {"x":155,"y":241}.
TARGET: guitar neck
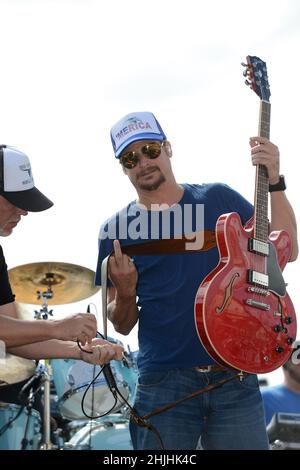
{"x":261,"y":197}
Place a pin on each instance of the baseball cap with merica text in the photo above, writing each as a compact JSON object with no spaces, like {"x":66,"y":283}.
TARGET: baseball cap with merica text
{"x":133,"y":127}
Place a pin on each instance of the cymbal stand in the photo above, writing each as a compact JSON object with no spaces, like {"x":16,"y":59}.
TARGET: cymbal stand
{"x":38,"y":315}
{"x":44,"y":312}
{"x":47,"y":444}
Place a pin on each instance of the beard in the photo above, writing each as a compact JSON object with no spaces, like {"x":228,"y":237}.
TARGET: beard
{"x":153,"y":185}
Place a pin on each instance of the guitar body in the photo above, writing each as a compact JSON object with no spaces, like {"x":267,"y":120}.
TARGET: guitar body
{"x":241,"y":321}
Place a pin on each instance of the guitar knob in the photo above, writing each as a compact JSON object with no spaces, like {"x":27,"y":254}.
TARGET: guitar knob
{"x":279,"y":349}
{"x":277,"y":328}
{"x":288,"y":320}
{"x":290,"y":340}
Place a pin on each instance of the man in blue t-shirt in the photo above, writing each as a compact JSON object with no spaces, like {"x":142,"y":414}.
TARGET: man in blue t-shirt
{"x":285,"y":397}
{"x":158,"y":292}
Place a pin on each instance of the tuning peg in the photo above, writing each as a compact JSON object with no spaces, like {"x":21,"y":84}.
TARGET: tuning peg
{"x":244,"y":65}
{"x":248,"y":83}
{"x":247,"y":73}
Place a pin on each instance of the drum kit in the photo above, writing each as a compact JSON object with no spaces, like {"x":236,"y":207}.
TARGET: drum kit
{"x":73,"y":397}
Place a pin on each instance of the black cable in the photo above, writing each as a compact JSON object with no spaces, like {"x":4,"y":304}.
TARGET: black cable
{"x":25,"y":441}
{"x":111,"y":382}
{"x":85,"y":393}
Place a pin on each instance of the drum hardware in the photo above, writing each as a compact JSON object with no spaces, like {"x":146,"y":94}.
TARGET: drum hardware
{"x":43,"y":313}
{"x":39,"y":379}
{"x":25,"y":441}
{"x":47,"y":444}
{"x":69,"y":282}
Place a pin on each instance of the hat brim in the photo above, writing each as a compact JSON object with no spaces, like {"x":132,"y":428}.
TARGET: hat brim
{"x":31,"y":200}
{"x":132,"y":139}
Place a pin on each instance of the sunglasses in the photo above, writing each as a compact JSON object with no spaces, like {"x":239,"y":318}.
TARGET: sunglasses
{"x":130,"y":159}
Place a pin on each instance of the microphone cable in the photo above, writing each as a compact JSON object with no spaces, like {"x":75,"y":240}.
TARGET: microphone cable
{"x":110,"y":379}
{"x":93,"y":381}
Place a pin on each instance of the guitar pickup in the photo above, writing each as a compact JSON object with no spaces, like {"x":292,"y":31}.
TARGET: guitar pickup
{"x":259,"y":247}
{"x":260,"y":279}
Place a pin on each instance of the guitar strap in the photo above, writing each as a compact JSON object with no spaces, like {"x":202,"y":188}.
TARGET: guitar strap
{"x":195,"y":242}
{"x":186,"y":244}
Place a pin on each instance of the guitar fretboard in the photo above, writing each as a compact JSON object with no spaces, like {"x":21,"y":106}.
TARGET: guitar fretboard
{"x":261,"y":222}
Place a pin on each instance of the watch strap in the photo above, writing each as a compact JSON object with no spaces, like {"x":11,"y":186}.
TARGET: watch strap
{"x":280,"y":186}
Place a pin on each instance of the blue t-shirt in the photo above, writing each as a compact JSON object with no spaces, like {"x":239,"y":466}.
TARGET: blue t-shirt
{"x":167,"y":284}
{"x":279,"y":399}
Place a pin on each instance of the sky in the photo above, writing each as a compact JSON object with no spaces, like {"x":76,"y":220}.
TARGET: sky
{"x":72,"y":68}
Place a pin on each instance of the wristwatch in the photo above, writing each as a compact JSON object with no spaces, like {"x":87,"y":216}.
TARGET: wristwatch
{"x":280,"y":186}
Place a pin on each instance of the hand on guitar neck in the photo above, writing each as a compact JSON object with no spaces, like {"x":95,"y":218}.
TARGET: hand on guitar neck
{"x":264,"y":152}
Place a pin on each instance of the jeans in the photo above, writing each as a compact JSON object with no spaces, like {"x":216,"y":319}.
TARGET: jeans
{"x":228,"y":417}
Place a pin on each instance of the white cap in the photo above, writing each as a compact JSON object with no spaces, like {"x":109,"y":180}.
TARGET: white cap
{"x":16,"y":181}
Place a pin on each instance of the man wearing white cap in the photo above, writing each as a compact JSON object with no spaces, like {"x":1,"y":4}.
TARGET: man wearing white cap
{"x":37,"y":339}
{"x":158,"y":293}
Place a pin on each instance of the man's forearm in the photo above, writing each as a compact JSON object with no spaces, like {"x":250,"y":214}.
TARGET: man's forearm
{"x":123,"y":313}
{"x":52,"y":349}
{"x":15,"y":332}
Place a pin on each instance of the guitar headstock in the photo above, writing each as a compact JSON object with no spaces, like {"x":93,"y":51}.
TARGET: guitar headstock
{"x":257,"y":77}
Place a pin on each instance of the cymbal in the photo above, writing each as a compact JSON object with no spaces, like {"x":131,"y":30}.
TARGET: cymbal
{"x":68,"y":282}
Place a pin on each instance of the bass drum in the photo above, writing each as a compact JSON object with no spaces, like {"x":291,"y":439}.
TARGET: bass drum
{"x":111,"y":433}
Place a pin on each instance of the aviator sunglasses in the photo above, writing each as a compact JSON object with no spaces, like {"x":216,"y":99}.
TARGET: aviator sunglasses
{"x":130,"y":159}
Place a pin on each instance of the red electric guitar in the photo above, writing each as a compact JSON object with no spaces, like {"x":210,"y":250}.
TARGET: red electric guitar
{"x":244,"y":316}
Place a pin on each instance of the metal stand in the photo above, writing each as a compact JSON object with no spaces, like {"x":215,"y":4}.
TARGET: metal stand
{"x":43,"y":313}
{"x":47,"y":444}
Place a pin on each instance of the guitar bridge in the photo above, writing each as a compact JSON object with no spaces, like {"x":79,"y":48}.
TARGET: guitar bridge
{"x":258,"y":291}
{"x":260,"y":279}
